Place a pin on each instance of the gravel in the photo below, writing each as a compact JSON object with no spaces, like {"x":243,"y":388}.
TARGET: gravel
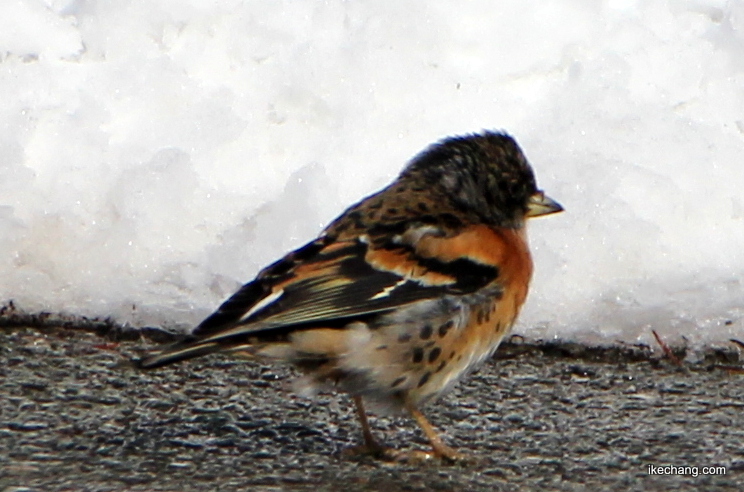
{"x":75,"y":414}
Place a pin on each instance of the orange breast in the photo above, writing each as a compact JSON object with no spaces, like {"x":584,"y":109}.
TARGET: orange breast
{"x":508,"y":249}
{"x":490,"y":321}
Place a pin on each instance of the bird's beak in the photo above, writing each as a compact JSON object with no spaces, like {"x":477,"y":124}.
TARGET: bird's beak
{"x":540,"y":204}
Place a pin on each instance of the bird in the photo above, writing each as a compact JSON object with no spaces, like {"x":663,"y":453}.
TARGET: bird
{"x":402,"y":295}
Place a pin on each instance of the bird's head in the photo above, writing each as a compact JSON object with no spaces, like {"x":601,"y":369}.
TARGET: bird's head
{"x":484,"y":174}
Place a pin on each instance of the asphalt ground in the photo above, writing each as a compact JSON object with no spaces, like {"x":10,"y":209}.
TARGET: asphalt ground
{"x":75,"y":415}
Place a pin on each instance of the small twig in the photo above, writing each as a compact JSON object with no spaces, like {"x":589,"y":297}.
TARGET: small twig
{"x":667,"y":350}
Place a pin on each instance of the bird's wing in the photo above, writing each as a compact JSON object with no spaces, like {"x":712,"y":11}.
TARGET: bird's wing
{"x":325,"y":283}
{"x":331,"y":283}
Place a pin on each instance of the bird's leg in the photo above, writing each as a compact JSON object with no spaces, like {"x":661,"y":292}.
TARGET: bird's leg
{"x":369,"y":440}
{"x":441,"y":450}
{"x":370,"y":446}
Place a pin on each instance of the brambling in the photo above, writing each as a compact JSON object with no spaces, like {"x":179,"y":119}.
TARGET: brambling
{"x":403,"y":294}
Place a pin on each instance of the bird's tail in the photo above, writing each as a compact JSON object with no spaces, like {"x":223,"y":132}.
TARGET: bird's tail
{"x":192,"y":347}
{"x":189,"y":349}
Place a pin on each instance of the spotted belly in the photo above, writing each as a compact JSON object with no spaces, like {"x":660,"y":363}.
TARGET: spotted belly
{"x":417,"y":354}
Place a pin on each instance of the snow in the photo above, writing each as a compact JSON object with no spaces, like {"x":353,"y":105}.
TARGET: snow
{"x":154,"y":155}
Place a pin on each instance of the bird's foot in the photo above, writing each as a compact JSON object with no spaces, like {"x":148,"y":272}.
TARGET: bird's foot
{"x":376,"y":451}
